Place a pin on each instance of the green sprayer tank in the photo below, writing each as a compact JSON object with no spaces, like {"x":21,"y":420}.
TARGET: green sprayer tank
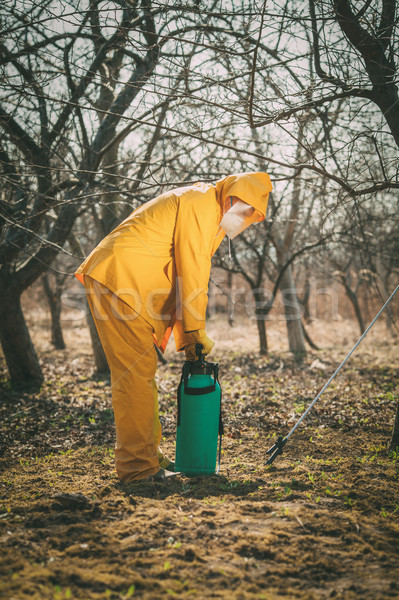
{"x":199,"y":421}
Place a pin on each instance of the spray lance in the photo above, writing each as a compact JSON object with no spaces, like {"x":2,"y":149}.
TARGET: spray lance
{"x":278,"y":447}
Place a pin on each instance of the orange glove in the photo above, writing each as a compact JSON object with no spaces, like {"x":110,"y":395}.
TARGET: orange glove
{"x":197,"y":337}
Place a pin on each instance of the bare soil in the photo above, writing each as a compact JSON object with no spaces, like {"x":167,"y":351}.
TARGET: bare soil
{"x":321,"y":522}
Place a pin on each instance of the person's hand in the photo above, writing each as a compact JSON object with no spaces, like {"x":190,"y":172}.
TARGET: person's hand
{"x":198,"y":337}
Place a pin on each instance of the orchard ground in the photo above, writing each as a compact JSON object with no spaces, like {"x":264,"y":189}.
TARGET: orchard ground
{"x":321,"y":522}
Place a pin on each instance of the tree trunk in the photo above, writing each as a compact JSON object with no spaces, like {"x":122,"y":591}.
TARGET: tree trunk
{"x":305,"y":302}
{"x":387,"y":100}
{"x":355,"y":303}
{"x":21,"y":358}
{"x":260,"y":323}
{"x":109,"y":216}
{"x":378,"y":61}
{"x":394,"y":444}
{"x":54,"y":302}
{"x":296,"y":340}
{"x":389,"y":320}
{"x":263,"y":350}
{"x":100,"y":359}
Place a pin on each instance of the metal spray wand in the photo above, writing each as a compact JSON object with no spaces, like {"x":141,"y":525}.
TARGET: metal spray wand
{"x":277,"y":448}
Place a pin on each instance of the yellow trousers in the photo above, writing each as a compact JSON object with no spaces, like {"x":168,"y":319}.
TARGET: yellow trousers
{"x":129,"y":347}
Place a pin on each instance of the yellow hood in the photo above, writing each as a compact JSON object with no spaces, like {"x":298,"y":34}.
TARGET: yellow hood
{"x":253,"y":188}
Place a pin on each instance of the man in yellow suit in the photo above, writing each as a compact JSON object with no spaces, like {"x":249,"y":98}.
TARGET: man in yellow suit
{"x":150,"y":276}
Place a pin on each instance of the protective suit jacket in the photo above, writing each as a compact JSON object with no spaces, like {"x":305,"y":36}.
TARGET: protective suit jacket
{"x":158,"y":260}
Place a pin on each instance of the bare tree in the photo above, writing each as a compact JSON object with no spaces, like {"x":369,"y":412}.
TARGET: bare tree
{"x":46,"y":115}
{"x":53,"y":291}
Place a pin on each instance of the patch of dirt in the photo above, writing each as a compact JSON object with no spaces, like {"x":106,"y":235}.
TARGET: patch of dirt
{"x":321,"y":522}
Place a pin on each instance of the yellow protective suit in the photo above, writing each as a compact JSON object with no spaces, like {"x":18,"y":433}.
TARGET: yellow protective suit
{"x":157,"y":264}
{"x":128,"y":343}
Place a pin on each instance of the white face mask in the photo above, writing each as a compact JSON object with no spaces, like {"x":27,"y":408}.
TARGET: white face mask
{"x":239,"y":216}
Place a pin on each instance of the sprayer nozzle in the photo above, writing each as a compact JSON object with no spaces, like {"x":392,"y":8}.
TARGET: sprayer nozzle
{"x":199,"y":350}
{"x":276,"y":449}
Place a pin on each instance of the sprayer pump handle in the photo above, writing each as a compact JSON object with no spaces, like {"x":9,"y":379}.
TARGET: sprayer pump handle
{"x":199,"y":350}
